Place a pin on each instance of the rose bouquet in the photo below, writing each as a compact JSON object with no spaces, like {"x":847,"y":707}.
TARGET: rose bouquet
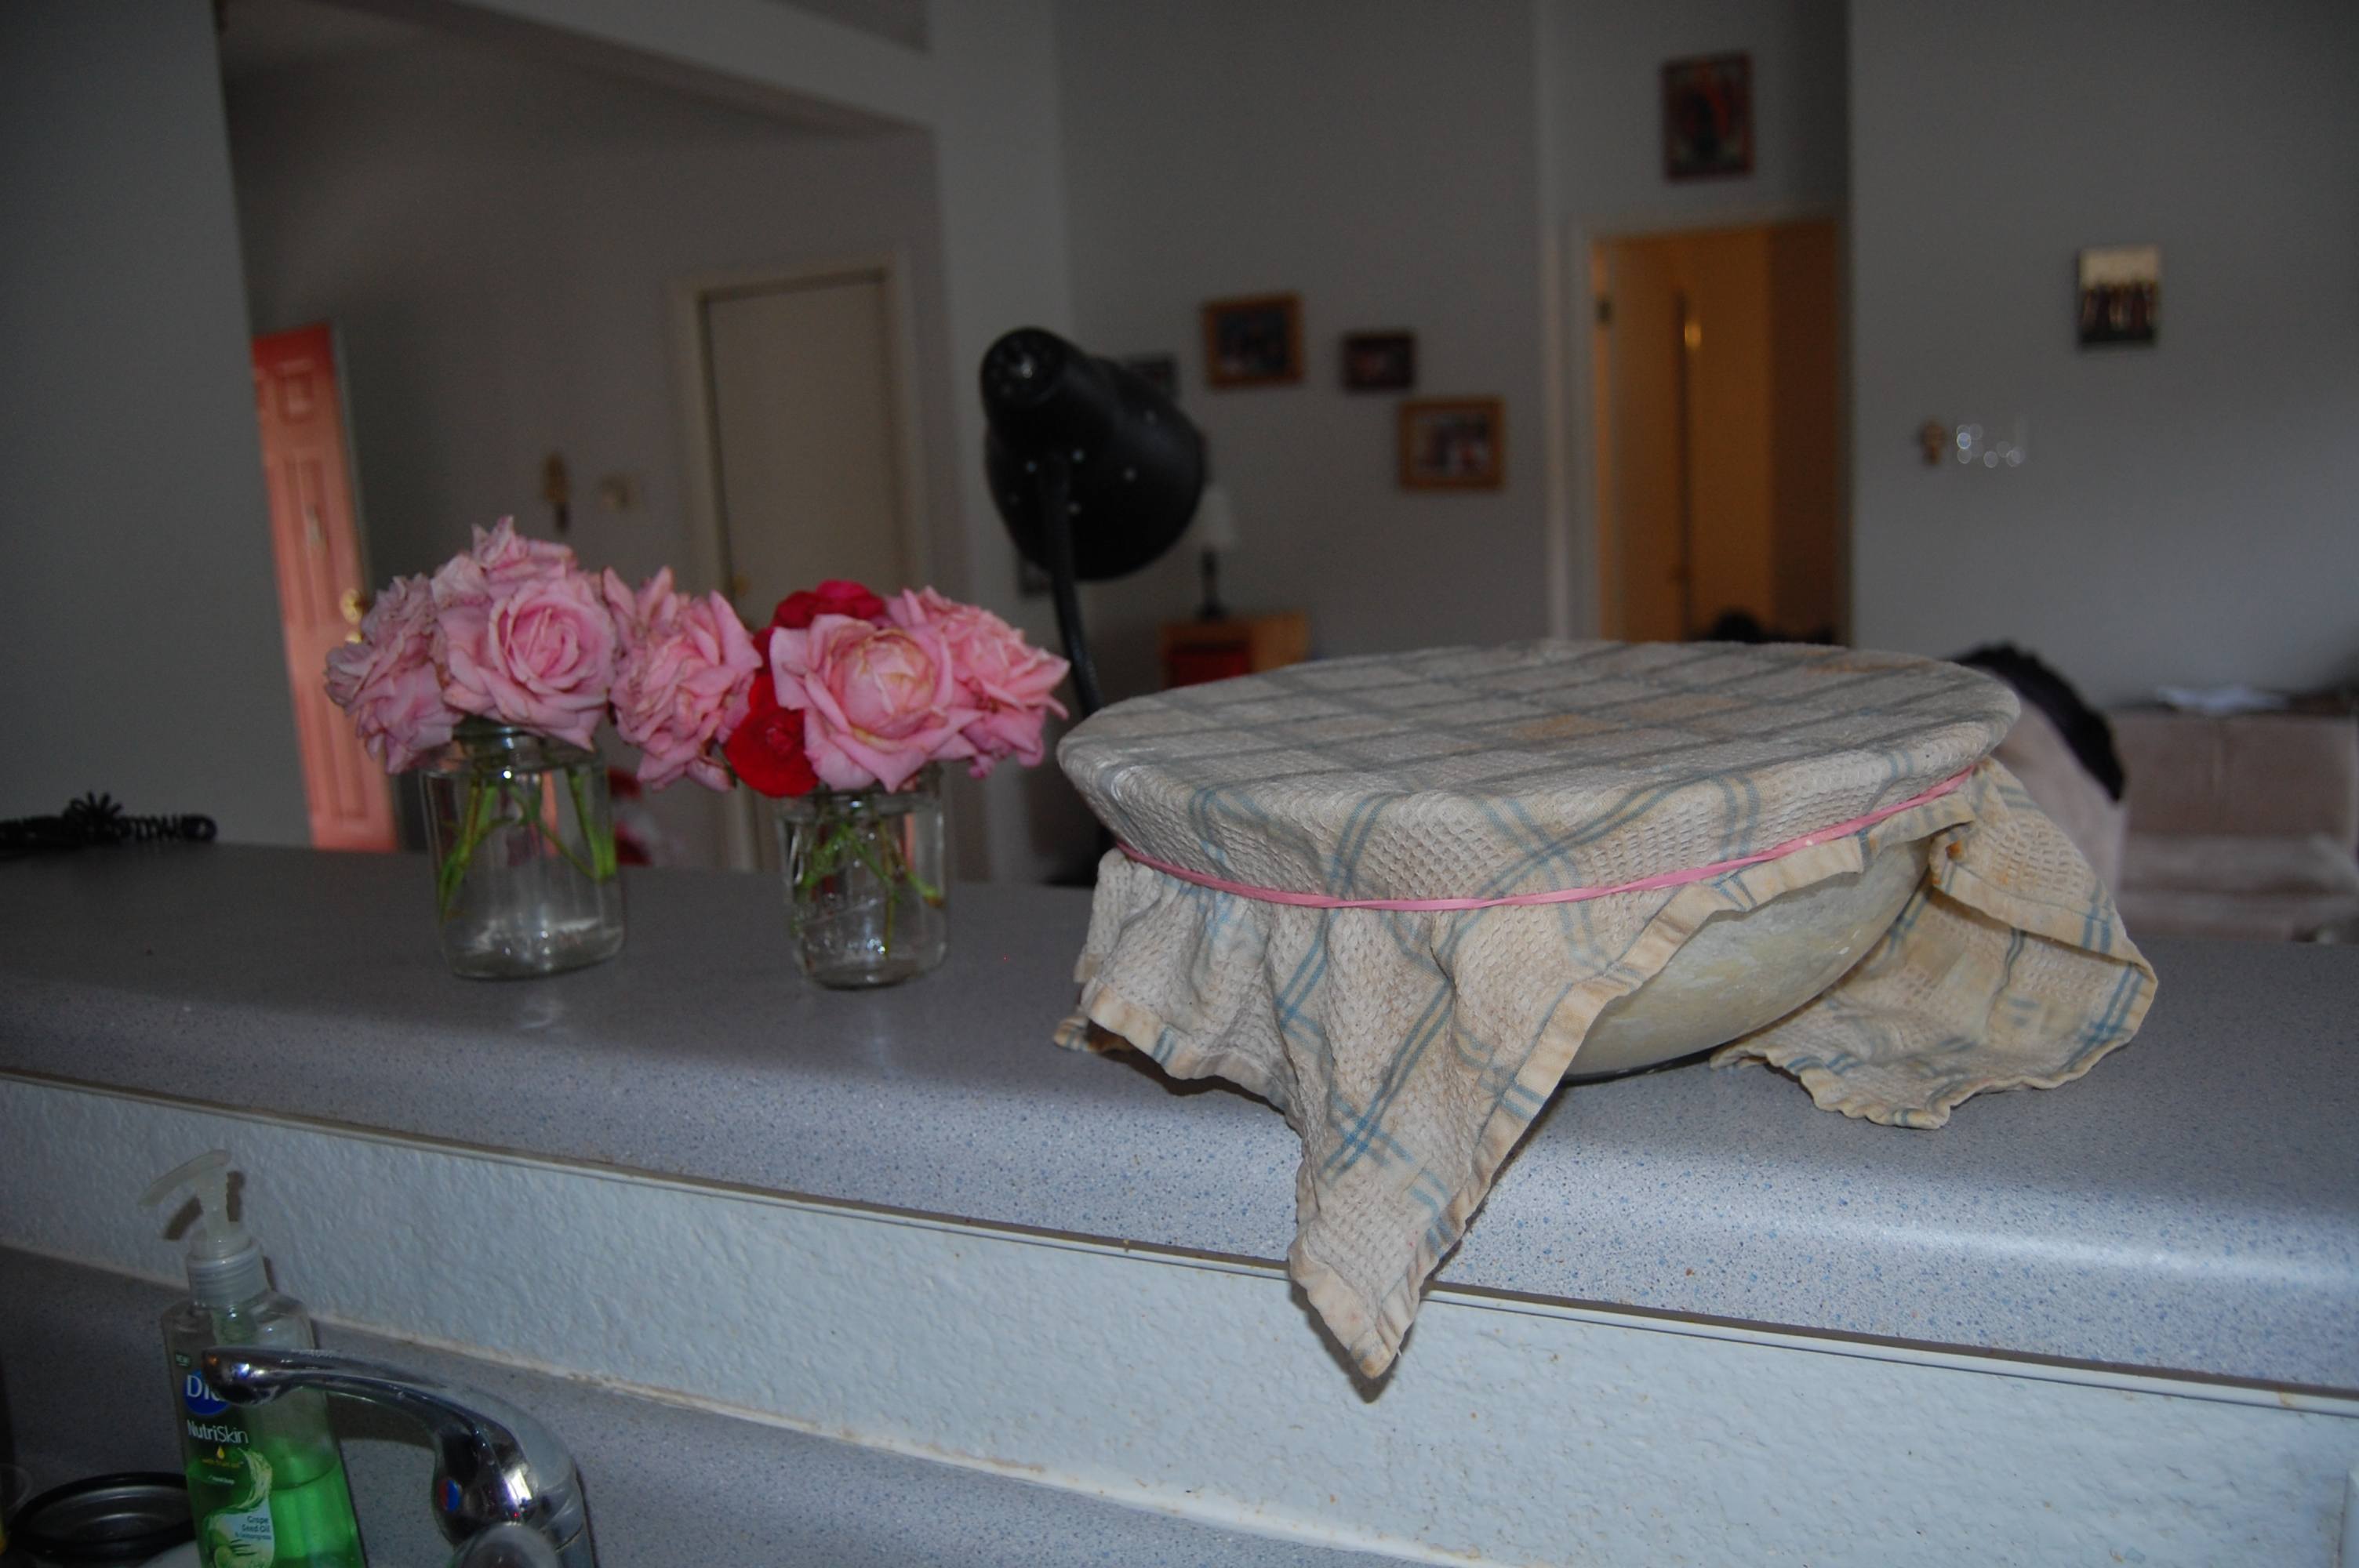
{"x":858,"y":700}
{"x":490,"y":676}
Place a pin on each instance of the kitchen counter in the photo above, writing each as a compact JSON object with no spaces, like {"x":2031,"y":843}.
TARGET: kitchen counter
{"x":2191,"y":1206}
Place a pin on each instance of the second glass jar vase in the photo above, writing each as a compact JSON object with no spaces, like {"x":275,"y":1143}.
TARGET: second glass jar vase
{"x":525,"y":881}
{"x":866,"y":896}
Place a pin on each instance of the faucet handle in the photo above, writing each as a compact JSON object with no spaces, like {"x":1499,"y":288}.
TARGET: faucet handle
{"x":495,"y":1466}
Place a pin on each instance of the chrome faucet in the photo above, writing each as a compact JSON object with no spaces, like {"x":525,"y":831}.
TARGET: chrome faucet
{"x":505,"y":1492}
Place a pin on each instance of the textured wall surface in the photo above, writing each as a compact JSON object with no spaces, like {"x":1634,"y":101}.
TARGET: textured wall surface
{"x":669,"y":1486}
{"x":1512,"y":1432}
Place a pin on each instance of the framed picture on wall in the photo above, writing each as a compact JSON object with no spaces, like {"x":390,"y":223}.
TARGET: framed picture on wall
{"x":1453,"y":443}
{"x":2121,"y":295}
{"x":1708,"y":117}
{"x":1256,"y":342}
{"x":1379,"y":362}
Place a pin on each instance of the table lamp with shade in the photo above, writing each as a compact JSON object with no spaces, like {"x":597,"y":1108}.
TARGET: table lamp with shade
{"x":1215,"y":534}
{"x":1094,"y":471}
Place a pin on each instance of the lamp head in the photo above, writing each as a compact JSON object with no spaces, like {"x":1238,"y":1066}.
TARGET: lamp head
{"x":1133,"y":465}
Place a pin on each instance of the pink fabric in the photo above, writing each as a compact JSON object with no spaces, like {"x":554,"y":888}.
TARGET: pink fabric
{"x":1559,"y":896}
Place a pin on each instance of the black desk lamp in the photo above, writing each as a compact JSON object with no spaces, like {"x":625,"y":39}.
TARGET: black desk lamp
{"x":1094,"y":471}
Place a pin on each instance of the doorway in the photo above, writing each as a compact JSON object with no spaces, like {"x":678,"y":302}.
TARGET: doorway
{"x":1715,"y":369}
{"x":802,"y":461}
{"x":322,"y":564}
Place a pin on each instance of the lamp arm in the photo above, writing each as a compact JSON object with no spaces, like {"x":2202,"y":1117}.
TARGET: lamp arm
{"x":1057,"y":522}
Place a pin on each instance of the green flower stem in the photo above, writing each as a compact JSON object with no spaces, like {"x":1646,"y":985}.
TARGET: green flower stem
{"x":476,"y":824}
{"x":527,"y":815}
{"x":483,"y":815}
{"x":908,"y":873}
{"x":875,"y":844}
{"x":602,"y":861}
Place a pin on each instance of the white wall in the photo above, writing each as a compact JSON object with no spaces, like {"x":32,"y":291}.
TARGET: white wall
{"x":998,"y":119}
{"x":139,"y":636}
{"x":1604,"y":65}
{"x":986,"y":87}
{"x":1601,"y":65}
{"x":2188,"y":513}
{"x":1380,"y":160}
{"x":496,"y":237}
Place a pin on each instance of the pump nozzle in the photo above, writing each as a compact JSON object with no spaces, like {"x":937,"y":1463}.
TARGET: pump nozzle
{"x":224,"y":1263}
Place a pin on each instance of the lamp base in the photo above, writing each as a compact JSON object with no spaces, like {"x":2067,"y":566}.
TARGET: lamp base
{"x":1212,"y":609}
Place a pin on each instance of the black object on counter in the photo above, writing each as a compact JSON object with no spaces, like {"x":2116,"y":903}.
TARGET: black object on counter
{"x":1095,"y":472}
{"x":110,"y":1519}
{"x":97,"y":820}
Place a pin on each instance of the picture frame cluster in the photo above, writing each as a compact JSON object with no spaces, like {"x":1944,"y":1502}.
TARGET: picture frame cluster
{"x":1441,"y":443}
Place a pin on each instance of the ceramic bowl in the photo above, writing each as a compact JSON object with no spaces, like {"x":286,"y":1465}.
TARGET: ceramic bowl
{"x":1749,"y":968}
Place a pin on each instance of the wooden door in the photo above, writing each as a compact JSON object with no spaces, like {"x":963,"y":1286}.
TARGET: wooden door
{"x":322,"y":577}
{"x":806,"y":441}
{"x":805,"y":438}
{"x":1717,"y":439}
{"x":1641,"y":425}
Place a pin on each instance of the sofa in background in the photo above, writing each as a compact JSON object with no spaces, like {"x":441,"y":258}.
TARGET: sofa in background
{"x":2241,"y":827}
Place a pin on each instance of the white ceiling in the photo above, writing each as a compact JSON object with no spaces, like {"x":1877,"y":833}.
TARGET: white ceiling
{"x":270,"y":35}
{"x":903,"y":22}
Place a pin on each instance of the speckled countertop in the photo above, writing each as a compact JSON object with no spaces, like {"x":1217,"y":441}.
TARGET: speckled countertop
{"x":2192,"y":1205}
{"x":668,"y":1488}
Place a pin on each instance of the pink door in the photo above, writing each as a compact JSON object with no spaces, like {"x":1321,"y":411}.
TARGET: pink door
{"x":315,"y":537}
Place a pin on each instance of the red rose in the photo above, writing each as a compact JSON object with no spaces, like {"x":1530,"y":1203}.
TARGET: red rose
{"x":833,"y":597}
{"x":767,"y":749}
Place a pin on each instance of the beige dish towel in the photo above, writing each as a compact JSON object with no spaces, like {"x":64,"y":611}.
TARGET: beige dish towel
{"x":1410,"y":1050}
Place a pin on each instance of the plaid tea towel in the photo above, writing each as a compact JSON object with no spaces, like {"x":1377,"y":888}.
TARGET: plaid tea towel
{"x":1346,"y":889}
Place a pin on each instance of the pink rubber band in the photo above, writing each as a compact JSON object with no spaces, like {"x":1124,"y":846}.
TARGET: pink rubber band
{"x":1559,"y":895}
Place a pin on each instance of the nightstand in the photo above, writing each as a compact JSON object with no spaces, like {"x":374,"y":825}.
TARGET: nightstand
{"x":1194,"y":652}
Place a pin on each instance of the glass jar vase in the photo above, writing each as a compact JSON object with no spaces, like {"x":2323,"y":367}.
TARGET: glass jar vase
{"x":523,"y":837}
{"x":866,"y":898}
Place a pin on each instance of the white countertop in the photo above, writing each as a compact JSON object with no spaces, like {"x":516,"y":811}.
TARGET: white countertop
{"x":2192,"y":1206}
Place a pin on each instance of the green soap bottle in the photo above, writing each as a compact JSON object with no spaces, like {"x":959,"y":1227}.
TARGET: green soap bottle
{"x":266,"y":1483}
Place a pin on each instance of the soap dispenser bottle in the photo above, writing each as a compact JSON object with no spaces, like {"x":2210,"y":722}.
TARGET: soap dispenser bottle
{"x":266,"y":1483}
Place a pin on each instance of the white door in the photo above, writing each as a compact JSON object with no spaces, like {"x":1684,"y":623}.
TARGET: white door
{"x":805,"y":461}
{"x":805,"y":439}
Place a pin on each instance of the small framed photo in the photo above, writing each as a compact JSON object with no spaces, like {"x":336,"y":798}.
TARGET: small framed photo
{"x":2121,"y":295}
{"x":1708,"y":117}
{"x":1254,"y":342}
{"x":1379,"y":362}
{"x":1161,"y":372}
{"x":1453,"y":443}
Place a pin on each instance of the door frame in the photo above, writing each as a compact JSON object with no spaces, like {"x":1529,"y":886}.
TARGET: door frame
{"x":692,"y":376}
{"x":1580,"y":550}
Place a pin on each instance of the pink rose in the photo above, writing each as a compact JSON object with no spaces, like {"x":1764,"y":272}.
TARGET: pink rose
{"x":539,"y":651}
{"x":501,"y":558}
{"x":879,"y":702}
{"x":1008,"y":681}
{"x":680,"y":685}
{"x":388,"y":682}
